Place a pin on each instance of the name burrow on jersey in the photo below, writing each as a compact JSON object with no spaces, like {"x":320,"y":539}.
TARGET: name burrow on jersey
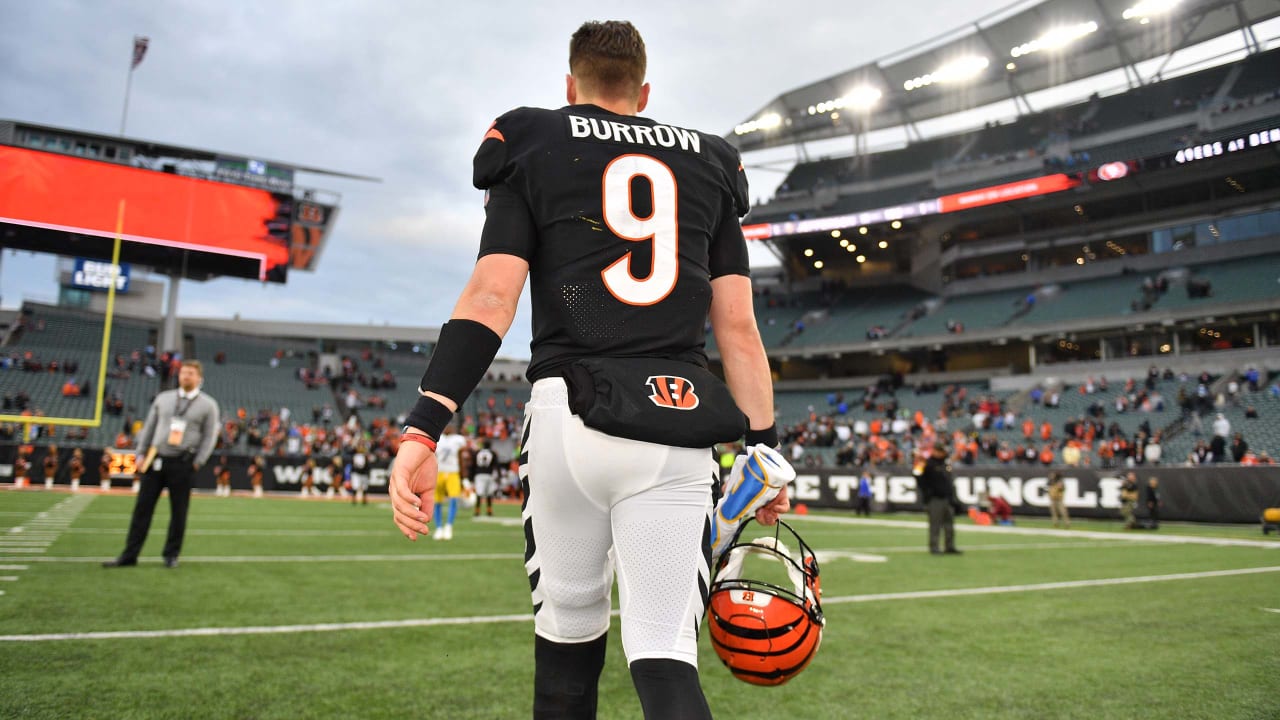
{"x":653,"y":135}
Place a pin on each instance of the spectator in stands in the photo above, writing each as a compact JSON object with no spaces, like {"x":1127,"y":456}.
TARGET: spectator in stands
{"x":1221,"y":426}
{"x":1201,"y":454}
{"x":1152,"y":451}
{"x":1251,"y":413}
{"x":1251,"y":378}
{"x":1239,"y":448}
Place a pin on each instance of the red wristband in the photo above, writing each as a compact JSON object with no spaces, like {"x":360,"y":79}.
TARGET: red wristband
{"x":415,"y":437}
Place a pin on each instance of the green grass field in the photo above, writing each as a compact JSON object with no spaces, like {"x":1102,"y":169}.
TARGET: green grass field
{"x":455,"y":639}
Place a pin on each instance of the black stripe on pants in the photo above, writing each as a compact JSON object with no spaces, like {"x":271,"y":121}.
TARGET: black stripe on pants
{"x":175,"y":474}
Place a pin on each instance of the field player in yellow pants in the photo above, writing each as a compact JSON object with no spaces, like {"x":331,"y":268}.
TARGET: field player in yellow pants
{"x":449,"y":481}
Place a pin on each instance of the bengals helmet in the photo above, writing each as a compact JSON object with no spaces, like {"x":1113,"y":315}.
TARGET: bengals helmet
{"x":764,"y":633}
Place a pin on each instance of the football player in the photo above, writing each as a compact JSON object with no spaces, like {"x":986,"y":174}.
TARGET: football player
{"x":449,"y":485}
{"x":482,"y":467}
{"x":628,"y":231}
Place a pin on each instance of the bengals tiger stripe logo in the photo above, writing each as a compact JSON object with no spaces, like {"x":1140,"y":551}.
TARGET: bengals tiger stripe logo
{"x":671,"y":391}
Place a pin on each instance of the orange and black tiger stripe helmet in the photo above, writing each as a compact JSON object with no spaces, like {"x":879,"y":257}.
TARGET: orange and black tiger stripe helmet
{"x":765,"y":633}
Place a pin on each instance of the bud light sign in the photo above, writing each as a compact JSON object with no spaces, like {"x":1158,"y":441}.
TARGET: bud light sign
{"x":97,"y":275}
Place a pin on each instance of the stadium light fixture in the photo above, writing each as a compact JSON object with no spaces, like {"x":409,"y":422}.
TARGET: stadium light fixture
{"x":844,"y":242}
{"x":1055,"y":39}
{"x":884,"y":244}
{"x":861,"y":259}
{"x":768,"y":121}
{"x":835,"y":233}
{"x":862,"y":97}
{"x":808,"y":252}
{"x":958,"y":70}
{"x":1144,"y":10}
{"x":817,"y":264}
{"x":896,"y":224}
{"x":862,"y":230}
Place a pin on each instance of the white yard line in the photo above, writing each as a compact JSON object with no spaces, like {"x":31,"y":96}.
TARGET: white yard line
{"x":41,"y":531}
{"x":489,"y":619}
{"x":1000,"y":589}
{"x":265,"y":532}
{"x":292,"y":558}
{"x":999,"y":546}
{"x":1145,"y":536}
{"x":271,"y":629}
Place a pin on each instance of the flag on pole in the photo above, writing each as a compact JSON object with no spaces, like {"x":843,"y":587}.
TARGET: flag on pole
{"x":139,"y":50}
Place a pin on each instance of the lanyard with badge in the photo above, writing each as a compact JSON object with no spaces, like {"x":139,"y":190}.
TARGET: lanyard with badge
{"x":178,"y":424}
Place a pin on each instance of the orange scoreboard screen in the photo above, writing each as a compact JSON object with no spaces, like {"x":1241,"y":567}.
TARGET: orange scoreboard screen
{"x":75,"y":195}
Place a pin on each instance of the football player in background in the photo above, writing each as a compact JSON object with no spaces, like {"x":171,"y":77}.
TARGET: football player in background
{"x":449,"y":485}
{"x":628,"y":232}
{"x":483,"y":466}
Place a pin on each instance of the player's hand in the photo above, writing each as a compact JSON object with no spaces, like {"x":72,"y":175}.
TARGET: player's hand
{"x":413,"y":485}
{"x":768,"y":515}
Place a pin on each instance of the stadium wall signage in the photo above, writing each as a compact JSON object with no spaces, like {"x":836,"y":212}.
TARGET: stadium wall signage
{"x":283,"y":474}
{"x":1204,"y":494}
{"x":1229,"y":494}
{"x":96,"y":275}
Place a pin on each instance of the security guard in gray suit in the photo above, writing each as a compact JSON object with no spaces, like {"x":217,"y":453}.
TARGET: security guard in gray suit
{"x":937,"y":492}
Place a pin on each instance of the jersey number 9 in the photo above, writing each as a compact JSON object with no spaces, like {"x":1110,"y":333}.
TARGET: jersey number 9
{"x":661,"y":227}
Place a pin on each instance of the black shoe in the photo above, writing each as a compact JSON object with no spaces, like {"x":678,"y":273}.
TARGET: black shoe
{"x":953,"y":551}
{"x":119,"y":562}
{"x":171,"y":563}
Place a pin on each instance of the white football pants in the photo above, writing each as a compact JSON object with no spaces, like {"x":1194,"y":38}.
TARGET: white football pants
{"x":594,"y":504}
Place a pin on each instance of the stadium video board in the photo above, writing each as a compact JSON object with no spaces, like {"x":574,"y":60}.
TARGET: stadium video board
{"x":55,"y":192}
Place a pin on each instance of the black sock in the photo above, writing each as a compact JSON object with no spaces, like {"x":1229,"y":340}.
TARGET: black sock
{"x":669,"y":690}
{"x":565,"y":678}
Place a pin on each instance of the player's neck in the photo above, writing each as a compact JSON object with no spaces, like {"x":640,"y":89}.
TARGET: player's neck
{"x":617,"y":107}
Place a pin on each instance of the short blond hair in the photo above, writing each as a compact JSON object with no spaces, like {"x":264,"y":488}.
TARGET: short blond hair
{"x":195,"y":364}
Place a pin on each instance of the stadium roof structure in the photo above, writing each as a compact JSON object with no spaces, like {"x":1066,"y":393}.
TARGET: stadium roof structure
{"x":152,"y":149}
{"x":1004,"y":56}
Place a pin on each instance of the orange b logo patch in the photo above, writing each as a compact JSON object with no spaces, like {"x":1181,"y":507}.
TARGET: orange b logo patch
{"x":670,"y":391}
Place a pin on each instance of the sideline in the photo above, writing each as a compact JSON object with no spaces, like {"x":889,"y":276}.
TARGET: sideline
{"x":489,"y":619}
{"x":282,"y":558}
{"x":1146,"y":536}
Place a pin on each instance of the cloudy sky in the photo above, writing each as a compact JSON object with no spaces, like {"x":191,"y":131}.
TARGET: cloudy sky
{"x":402,"y":91}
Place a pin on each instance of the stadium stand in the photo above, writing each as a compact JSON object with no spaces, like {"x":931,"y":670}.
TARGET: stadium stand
{"x":1088,"y":128}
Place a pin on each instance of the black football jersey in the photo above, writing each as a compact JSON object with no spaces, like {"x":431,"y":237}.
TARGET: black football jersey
{"x":624,"y":222}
